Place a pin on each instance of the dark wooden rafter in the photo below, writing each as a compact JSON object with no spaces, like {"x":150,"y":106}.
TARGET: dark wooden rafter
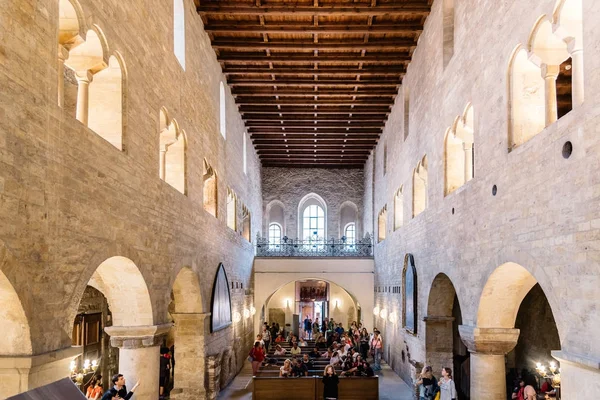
{"x":314,"y":82}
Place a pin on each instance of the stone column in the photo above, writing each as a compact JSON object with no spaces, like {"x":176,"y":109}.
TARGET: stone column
{"x":163,"y":163}
{"x":83,"y":96}
{"x":577,"y":88}
{"x":488,"y":347}
{"x":468,"y":149}
{"x":63,"y":55}
{"x":190,"y":330}
{"x":550,"y":73}
{"x":22,"y":373}
{"x":139,"y":356}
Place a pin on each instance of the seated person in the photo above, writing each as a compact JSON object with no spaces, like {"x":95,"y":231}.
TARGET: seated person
{"x":342,"y":351}
{"x":295,"y":350}
{"x":347,"y":365}
{"x":279,"y":338}
{"x":335,"y":359}
{"x":340,"y":329}
{"x":315,"y":353}
{"x":298,"y":368}
{"x":286,"y":370}
{"x":302,"y":342}
{"x":366,"y":369}
{"x":292,"y":339}
{"x":322,"y":343}
{"x":308,"y":362}
{"x":328,"y":354}
{"x":279,"y":351}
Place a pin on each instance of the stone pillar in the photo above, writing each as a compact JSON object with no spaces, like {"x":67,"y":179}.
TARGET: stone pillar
{"x":163,"y":163}
{"x":439,"y":343}
{"x":189,"y":356}
{"x":468,"y":149}
{"x":139,"y":356}
{"x":550,"y":73}
{"x":22,"y":373}
{"x":213,"y":374}
{"x":83,"y":96}
{"x":488,"y":348}
{"x":63,"y":55}
{"x":577,"y":71}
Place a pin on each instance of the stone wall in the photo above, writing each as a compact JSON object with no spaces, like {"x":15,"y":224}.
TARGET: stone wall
{"x":543,"y":214}
{"x":70,"y":200}
{"x":335,"y":186}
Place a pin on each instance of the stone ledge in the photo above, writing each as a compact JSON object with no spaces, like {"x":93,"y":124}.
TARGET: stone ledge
{"x":40,"y":359}
{"x":498,"y":341}
{"x":578,"y":360}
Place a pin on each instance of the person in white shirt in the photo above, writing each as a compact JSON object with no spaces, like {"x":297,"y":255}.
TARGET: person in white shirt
{"x":279,"y":351}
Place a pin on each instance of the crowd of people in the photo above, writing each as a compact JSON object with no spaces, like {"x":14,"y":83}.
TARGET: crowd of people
{"x":346,"y":350}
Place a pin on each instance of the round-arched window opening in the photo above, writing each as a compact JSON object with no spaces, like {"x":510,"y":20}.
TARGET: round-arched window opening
{"x":494,"y":190}
{"x":567,"y":149}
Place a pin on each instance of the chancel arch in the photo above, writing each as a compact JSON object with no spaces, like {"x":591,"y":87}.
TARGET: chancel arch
{"x":312,"y":217}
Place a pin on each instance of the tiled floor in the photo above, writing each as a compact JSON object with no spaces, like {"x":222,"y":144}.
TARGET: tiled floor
{"x":391,"y":387}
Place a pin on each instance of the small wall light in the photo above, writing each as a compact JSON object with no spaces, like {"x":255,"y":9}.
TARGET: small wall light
{"x":246,"y":313}
{"x":383,"y":313}
{"x":393,"y":317}
{"x":376,"y":310}
{"x":252,"y":310}
{"x":237,"y":317}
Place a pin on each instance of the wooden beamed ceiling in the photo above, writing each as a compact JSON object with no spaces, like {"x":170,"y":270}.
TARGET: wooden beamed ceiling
{"x":314,"y":80}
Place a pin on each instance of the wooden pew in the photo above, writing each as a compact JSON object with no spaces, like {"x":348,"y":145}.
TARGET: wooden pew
{"x":311,"y":388}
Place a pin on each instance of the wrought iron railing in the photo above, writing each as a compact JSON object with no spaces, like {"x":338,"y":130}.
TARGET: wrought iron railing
{"x":314,"y":247}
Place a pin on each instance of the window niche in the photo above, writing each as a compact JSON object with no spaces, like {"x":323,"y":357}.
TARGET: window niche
{"x":420,"y":187}
{"x":399,"y":208}
{"x":459,"y":152}
{"x":172,"y":153}
{"x":231,"y":209}
{"x":382,"y":224}
{"x":209,"y":194}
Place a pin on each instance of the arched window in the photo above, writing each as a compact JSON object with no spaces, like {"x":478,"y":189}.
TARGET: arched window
{"x":313,"y":224}
{"x":350,"y":233}
{"x":231,"y":210}
{"x":409,"y":294}
{"x":312,"y":218}
{"x":172,"y":153}
{"x":222,"y":110}
{"x":274,"y":234}
{"x":246,"y":223}
{"x":398,"y":208}
{"x":348,"y":215}
{"x":382,"y":224}
{"x":210,"y":189}
{"x":458,"y":152}
{"x":179,"y":32}
{"x":276,"y":215}
{"x":420,"y":187}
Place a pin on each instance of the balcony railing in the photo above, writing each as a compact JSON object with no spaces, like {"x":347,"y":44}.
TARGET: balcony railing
{"x":314,"y":247}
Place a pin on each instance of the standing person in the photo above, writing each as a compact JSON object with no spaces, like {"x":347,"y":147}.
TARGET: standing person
{"x":447,"y":387}
{"x":165,"y":369}
{"x":324,"y":327}
{"x":316,"y":328}
{"x":258,"y":356}
{"x":376,"y":350}
{"x":266,"y":335}
{"x":94,"y":391}
{"x":364,"y":343}
{"x":427,"y":384}
{"x":119,"y":389}
{"x":307,"y":327}
{"x":330,"y":383}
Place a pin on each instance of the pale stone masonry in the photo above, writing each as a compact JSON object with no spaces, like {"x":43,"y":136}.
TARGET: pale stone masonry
{"x":530,"y":206}
{"x":69,"y":200}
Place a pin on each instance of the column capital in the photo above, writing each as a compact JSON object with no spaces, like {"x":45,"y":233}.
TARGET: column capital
{"x":550,"y":71}
{"x":135,"y":337}
{"x":84,"y":76}
{"x":489,"y":340}
{"x":63,"y":53}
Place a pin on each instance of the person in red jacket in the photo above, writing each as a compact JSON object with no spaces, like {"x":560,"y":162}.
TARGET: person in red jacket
{"x":258,"y":356}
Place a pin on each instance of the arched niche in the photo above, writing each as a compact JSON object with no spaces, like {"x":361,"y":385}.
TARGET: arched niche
{"x":348,"y":215}
{"x":420,"y":187}
{"x":276,"y":215}
{"x":220,"y":303}
{"x":209,"y":189}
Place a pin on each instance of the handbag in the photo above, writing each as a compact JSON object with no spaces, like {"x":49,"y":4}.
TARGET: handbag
{"x":250,"y":358}
{"x":437,"y":396}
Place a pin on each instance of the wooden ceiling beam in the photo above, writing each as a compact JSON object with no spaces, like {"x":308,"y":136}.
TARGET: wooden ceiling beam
{"x":359,"y":110}
{"x":331,"y":118}
{"x":371,"y":142}
{"x":304,"y":124}
{"x":313,"y":165}
{"x":413,"y":8}
{"x":305,"y":93}
{"x":310,"y":130}
{"x":295,"y":28}
{"x":397,"y":45}
{"x":302,"y":102}
{"x":297,"y":59}
{"x":379,"y":71}
{"x":339,"y":83}
{"x":295,"y":136}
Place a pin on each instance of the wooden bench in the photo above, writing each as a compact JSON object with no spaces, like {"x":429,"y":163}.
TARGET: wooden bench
{"x":311,"y":388}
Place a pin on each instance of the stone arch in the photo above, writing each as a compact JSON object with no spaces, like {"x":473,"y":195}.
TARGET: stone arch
{"x":420,"y":187}
{"x":71,"y":24}
{"x":348,"y":214}
{"x":125,"y":288}
{"x":16,"y":335}
{"x":502,"y":295}
{"x":91,"y":55}
{"x":526,"y":99}
{"x":107,"y":101}
{"x":308,"y":200}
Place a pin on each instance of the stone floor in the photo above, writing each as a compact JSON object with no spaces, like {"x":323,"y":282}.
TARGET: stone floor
{"x":391,"y":387}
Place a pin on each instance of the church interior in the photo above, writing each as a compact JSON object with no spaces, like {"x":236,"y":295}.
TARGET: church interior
{"x":175,"y":174}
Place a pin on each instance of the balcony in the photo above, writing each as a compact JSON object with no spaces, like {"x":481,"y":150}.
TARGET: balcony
{"x":315,"y":247}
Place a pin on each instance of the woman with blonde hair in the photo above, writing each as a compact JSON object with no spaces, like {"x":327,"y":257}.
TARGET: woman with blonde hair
{"x":286,"y":369}
{"x":330,"y":383}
